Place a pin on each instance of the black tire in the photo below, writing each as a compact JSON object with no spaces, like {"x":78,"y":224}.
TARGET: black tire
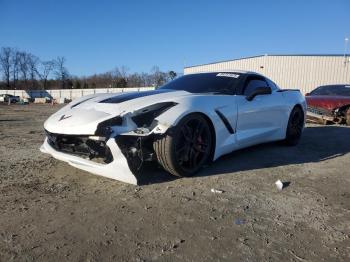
{"x":295,"y":126}
{"x":184,"y":149}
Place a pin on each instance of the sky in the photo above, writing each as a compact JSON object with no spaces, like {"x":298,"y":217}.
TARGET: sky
{"x":96,"y":36}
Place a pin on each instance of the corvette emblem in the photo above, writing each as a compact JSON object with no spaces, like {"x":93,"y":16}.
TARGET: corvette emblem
{"x":63,"y":117}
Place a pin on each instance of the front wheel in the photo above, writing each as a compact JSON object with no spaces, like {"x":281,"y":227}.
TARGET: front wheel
{"x":186,"y":147}
{"x":295,"y":126}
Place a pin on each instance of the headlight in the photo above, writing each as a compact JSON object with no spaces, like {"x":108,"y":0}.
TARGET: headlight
{"x":105,"y":128}
{"x":144,"y":117}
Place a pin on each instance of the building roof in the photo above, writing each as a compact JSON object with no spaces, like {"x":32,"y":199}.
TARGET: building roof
{"x":248,"y":57}
{"x":228,"y":71}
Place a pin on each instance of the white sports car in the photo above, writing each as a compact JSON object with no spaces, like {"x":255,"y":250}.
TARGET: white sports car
{"x":184,"y":124}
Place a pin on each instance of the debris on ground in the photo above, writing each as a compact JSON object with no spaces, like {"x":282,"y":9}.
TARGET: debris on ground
{"x":239,"y":221}
{"x":279,"y":185}
{"x":217,"y":191}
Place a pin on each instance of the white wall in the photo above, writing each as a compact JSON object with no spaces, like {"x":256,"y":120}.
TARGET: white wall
{"x":69,"y":93}
{"x":304,"y":72}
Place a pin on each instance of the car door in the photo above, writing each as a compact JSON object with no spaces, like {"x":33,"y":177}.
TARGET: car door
{"x":259,"y":120}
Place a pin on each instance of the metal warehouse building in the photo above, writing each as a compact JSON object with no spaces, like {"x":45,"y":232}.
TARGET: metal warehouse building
{"x":304,"y":72}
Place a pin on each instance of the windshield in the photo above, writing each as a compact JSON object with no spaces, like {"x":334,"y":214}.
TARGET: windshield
{"x":332,"y":90}
{"x":220,"y":83}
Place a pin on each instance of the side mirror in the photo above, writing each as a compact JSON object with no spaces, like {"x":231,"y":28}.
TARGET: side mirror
{"x":307,"y":94}
{"x":264,"y":90}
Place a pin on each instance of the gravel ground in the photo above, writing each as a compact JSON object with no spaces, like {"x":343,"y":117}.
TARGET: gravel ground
{"x":50,"y":211}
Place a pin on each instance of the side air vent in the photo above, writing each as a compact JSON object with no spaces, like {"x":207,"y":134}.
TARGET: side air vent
{"x":225,"y":121}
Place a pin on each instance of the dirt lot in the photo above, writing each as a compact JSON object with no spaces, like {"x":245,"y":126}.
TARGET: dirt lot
{"x":53,"y":212}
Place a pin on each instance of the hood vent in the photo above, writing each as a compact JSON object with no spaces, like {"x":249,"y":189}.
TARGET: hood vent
{"x":133,"y":95}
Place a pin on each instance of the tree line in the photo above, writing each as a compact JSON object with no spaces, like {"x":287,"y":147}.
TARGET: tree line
{"x":23,"y":70}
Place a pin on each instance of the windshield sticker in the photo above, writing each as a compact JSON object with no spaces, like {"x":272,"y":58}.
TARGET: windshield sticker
{"x":228,"y":75}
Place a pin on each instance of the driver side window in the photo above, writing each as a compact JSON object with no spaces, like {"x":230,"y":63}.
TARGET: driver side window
{"x":253,"y":84}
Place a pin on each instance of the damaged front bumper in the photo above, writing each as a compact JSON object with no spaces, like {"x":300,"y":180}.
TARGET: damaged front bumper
{"x":320,"y":115}
{"x":312,"y":116}
{"x":117,"y":167}
{"x":324,"y":116}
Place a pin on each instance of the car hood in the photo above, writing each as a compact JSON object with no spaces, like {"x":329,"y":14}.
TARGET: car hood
{"x":82,"y":116}
{"x":327,"y":102}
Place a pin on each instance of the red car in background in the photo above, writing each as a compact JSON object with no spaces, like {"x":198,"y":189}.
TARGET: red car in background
{"x":329,"y":104}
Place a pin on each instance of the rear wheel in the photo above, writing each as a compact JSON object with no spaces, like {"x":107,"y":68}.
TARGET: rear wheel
{"x":295,"y":126}
{"x":185,"y":148}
